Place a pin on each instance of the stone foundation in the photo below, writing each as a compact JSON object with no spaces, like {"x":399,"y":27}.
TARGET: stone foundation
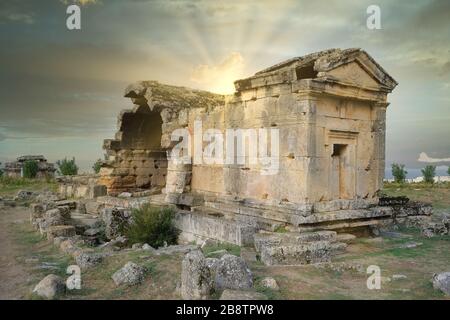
{"x":87,"y":187}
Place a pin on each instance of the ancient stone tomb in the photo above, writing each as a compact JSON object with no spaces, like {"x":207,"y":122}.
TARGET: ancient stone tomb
{"x":325,"y":113}
{"x":15,"y":169}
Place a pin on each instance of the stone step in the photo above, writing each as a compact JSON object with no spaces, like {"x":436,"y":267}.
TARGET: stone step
{"x":291,"y":238}
{"x":300,"y":254}
{"x":261,"y":223}
{"x":199,"y":226}
{"x":293,"y":248}
{"x":236,"y":208}
{"x":85,"y":220}
{"x":338,"y":225}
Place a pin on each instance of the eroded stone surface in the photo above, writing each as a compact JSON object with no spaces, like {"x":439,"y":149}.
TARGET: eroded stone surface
{"x":130,"y":274}
{"x":196,"y":277}
{"x":441,"y":282}
{"x":50,"y":287}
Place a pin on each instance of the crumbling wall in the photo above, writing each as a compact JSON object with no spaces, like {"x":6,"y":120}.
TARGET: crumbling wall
{"x":138,"y":156}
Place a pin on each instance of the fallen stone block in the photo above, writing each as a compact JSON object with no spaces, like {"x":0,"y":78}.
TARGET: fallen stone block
{"x":241,"y":295}
{"x":60,"y":231}
{"x":432,"y":229}
{"x":87,"y":259}
{"x":315,"y":252}
{"x":441,"y":282}
{"x":69,"y":203}
{"x":196,"y":278}
{"x":36,"y":211}
{"x":270,"y":283}
{"x":50,"y":287}
{"x":231,"y":272}
{"x":130,"y":274}
{"x":94,"y":207}
{"x":116,"y":220}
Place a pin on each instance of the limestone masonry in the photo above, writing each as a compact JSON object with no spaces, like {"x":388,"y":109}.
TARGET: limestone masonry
{"x":15,"y":169}
{"x":330,"y":111}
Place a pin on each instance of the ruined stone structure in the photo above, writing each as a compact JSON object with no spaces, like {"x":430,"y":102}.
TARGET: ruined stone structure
{"x":330,"y":110}
{"x":15,"y":169}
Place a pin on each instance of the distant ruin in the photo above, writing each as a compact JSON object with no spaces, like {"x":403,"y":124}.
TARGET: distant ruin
{"x":15,"y":169}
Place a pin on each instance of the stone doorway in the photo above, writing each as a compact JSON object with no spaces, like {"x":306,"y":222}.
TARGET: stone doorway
{"x":342,"y":180}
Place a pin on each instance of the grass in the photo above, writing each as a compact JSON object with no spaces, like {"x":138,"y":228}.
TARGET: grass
{"x":10,"y":186}
{"x":269,"y":293}
{"x":438,"y":194}
{"x":230,"y":248}
{"x":296,"y":282}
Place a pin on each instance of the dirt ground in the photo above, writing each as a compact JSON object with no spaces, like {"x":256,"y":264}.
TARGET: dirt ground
{"x":13,"y":275}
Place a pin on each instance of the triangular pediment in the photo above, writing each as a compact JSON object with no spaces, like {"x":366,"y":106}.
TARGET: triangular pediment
{"x":357,"y":68}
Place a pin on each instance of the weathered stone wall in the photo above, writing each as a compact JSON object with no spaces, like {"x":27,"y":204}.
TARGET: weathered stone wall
{"x":81,"y":186}
{"x":329,"y":108}
{"x":137,"y":157}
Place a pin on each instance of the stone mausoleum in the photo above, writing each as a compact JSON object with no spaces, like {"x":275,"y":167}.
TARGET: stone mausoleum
{"x":329,"y":109}
{"x":15,"y":169}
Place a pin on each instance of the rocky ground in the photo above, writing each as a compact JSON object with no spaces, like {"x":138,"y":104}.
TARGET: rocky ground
{"x":408,"y":261}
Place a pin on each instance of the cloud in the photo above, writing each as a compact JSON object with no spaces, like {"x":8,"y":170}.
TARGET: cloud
{"x":14,"y":13}
{"x":219,"y":77}
{"x":423,"y":157}
{"x":20,"y":17}
{"x":80,"y":2}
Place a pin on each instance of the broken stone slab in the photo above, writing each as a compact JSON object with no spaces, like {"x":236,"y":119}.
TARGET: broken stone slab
{"x":47,"y":197}
{"x":87,"y":259}
{"x":270,"y":283}
{"x":85,"y":221}
{"x":441,"y":281}
{"x":432,"y":229}
{"x":92,"y":232}
{"x":50,"y":287}
{"x":60,"y":231}
{"x":393,"y":234}
{"x":147,"y":247}
{"x":410,"y":245}
{"x":68,"y":246}
{"x":196,"y":277}
{"x":62,"y":211}
{"x":231,"y":272}
{"x":116,"y":220}
{"x":81,"y":208}
{"x":341,"y":267}
{"x":262,"y":239}
{"x":25,"y":195}
{"x":69,"y":203}
{"x":53,"y":217}
{"x":136,"y":246}
{"x":130,"y":274}
{"x":310,"y":253}
{"x":125,"y":195}
{"x":179,"y":248}
{"x":37,"y":210}
{"x":115,"y":244}
{"x":338,"y":248}
{"x":94,"y":207}
{"x":241,"y":295}
{"x":398,"y":277}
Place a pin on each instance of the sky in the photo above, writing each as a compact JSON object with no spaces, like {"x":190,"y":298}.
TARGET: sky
{"x":61,"y":90}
